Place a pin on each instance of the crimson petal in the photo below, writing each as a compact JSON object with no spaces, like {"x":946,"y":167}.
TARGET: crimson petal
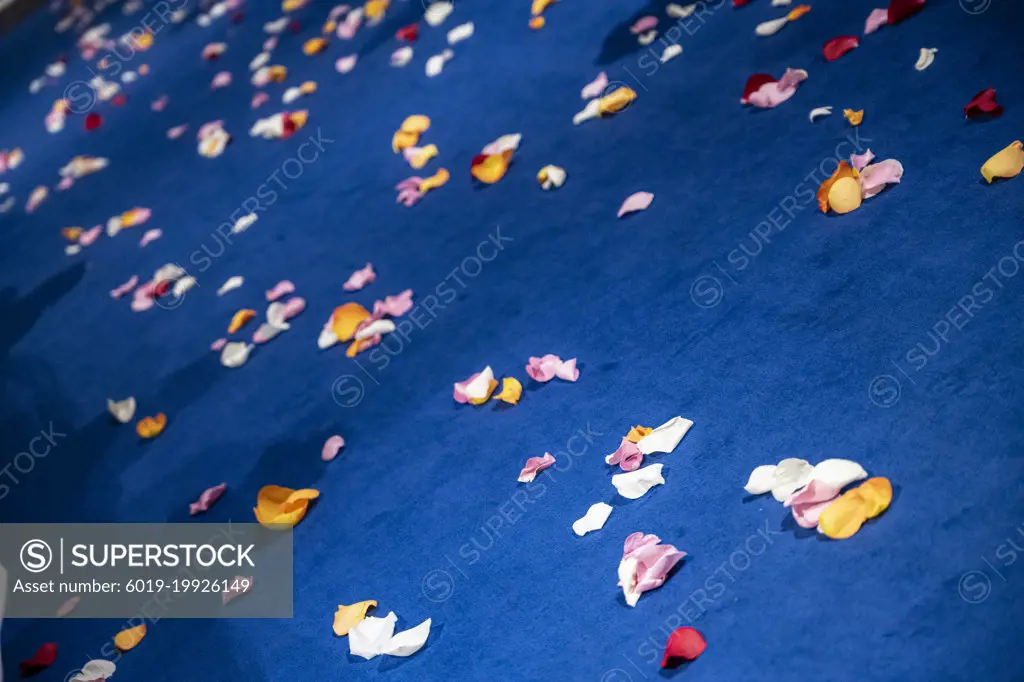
{"x":903,"y":9}
{"x":983,"y":103}
{"x":93,"y":121}
{"x":44,"y":658}
{"x":754,"y":84}
{"x":408,"y":33}
{"x":685,"y":643}
{"x":837,"y":47}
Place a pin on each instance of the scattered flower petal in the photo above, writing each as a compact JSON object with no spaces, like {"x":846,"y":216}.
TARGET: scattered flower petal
{"x":535,"y":465}
{"x":401,"y":56}
{"x":346,"y":617}
{"x":635,"y":484}
{"x":837,"y":47}
{"x":645,"y":565}
{"x":408,"y":642}
{"x":925,"y":59}
{"x":546,"y":368}
{"x":595,"y":87}
{"x":436,"y":63}
{"x":666,"y":437}
{"x":819,"y":112}
{"x":206,"y":499}
{"x":346,"y":64}
{"x":511,"y":391}
{"x":684,"y":643}
{"x":98,"y":670}
{"x":151,"y":427}
{"x":1008,"y":163}
{"x":126,"y":640}
{"x":331,"y":447}
{"x":845,"y":515}
{"x":983,"y":103}
{"x":122,"y":410}
{"x":638,"y":201}
{"x":231,"y":284}
{"x":877,"y":19}
{"x":235,"y":354}
{"x":594,"y":519}
{"x":551,"y":177}
{"x":627,"y":456}
{"x":123,"y":289}
{"x":150,"y":236}
{"x":460,"y":33}
{"x":279,"y":508}
{"x":476,"y":389}
{"x":282,"y":288}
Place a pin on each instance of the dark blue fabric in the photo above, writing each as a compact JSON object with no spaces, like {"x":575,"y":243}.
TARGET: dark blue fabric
{"x":732,"y":301}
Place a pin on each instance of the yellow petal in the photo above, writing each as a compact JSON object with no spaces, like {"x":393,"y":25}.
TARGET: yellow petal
{"x":615,"y":101}
{"x":854,"y":117}
{"x":417,"y":123}
{"x":346,"y":617}
{"x":346,"y":318}
{"x":1006,"y":164}
{"x":278,"y":507}
{"x":877,"y":494}
{"x":299,"y":118}
{"x":844,"y":170}
{"x":240,"y":318}
{"x":126,"y":640}
{"x":493,"y":167}
{"x":844,"y":195}
{"x":511,"y":391}
{"x":638,"y":432}
{"x":277,"y":73}
{"x":375,"y":8}
{"x":434,"y":181}
{"x":539,"y":6}
{"x":308,"y":88}
{"x":425,"y":155}
{"x":798,"y":12}
{"x":329,"y":27}
{"x":537,"y":23}
{"x":150,"y":427}
{"x":401,"y":140}
{"x":844,"y":516}
{"x":490,"y":389}
{"x":358,"y":346}
{"x":71,"y":233}
{"x":314,"y":46}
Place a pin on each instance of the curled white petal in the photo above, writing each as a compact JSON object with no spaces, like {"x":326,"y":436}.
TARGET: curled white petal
{"x":635,"y":484}
{"x":819,"y":112}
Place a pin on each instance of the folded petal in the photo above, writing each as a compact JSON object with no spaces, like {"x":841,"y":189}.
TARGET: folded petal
{"x":206,"y":499}
{"x":808,"y":503}
{"x":761,"y":480}
{"x":838,"y":473}
{"x":628,"y":456}
{"x":407,"y":642}
{"x":278,"y":507}
{"x":874,"y":178}
{"x":666,"y":437}
{"x":369,"y":636}
{"x":534,"y":466}
{"x":684,"y":643}
{"x":983,"y":102}
{"x":122,"y":410}
{"x":635,"y":484}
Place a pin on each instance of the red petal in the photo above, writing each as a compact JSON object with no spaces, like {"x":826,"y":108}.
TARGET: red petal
{"x":837,"y":47}
{"x":684,"y":643}
{"x":739,"y":3}
{"x":754,"y":84}
{"x":44,"y":658}
{"x":409,"y":33}
{"x":119,"y":100}
{"x":903,"y":9}
{"x":161,"y":288}
{"x":92,"y":121}
{"x":983,"y":103}
{"x":477,"y":160}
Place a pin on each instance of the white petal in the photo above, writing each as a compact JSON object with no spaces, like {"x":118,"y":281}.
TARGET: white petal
{"x":275,"y":315}
{"x":594,"y":519}
{"x":168,"y":273}
{"x":820,"y":111}
{"x":781,"y":3}
{"x":438,"y":12}
{"x":647,"y":38}
{"x":244,"y":222}
{"x":259,"y":61}
{"x":326,"y":339}
{"x":266,"y":332}
{"x":95,"y":671}
{"x":635,"y":484}
{"x":666,"y":437}
{"x":505,"y":143}
{"x":926,"y":58}
{"x":589,"y":112}
{"x":479,"y":387}
{"x":291,"y":94}
{"x":436,"y":63}
{"x":790,"y":475}
{"x":760,"y":480}
{"x":460,"y":32}
{"x":230,"y":285}
{"x":70,"y":249}
{"x":677,"y":12}
{"x":627,"y":579}
{"x":369,"y":635}
{"x":113,"y":226}
{"x":838,"y":472}
{"x":770,"y":28}
{"x":235,"y":354}
{"x":183,"y":285}
{"x":408,"y":642}
{"x":401,"y":56}
{"x":123,"y":410}
{"x":374,"y":328}
{"x":671,"y":52}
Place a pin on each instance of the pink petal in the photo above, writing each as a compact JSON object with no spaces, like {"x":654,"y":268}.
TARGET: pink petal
{"x":259,"y":98}
{"x":337,"y":11}
{"x":159,"y":103}
{"x":858,"y":161}
{"x":270,"y":43}
{"x":65,"y":183}
{"x":221,"y":80}
{"x":177,"y":131}
{"x":331,"y":448}
{"x":206,"y":500}
{"x":68,"y":606}
{"x":773,"y":94}
{"x":875,"y":177}
{"x":460,"y":389}
{"x":280,"y":289}
{"x":408,"y":197}
{"x":654,"y":560}
{"x":218,"y":344}
{"x":124,"y":288}
{"x":208,"y":128}
{"x":360,"y":278}
{"x":88,"y":237}
{"x":643,"y":25}
{"x":149,"y":236}
{"x":236,"y":588}
{"x":877,"y":19}
{"x":293,"y":307}
{"x":809,"y":502}
{"x":409,"y":183}
{"x":534,"y":466}
{"x":627,"y":456}
{"x":395,"y":306}
{"x":347,"y":29}
{"x":636,"y":202}
{"x":346,"y":64}
{"x":595,"y":87}
{"x":546,"y":368}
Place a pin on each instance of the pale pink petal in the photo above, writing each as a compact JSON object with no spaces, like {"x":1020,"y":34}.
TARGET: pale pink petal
{"x":460,"y":388}
{"x":876,"y":20}
{"x":773,"y":94}
{"x":546,"y":368}
{"x":638,"y":201}
{"x":360,"y":278}
{"x":89,"y":237}
{"x":259,"y":98}
{"x":534,"y":466}
{"x":282,"y":288}
{"x":408,"y":197}
{"x":218,"y":345}
{"x":347,"y":29}
{"x":221,"y":80}
{"x":646,"y":563}
{"x":149,"y":236}
{"x":395,"y":306}
{"x":141,"y":300}
{"x":206,"y":499}
{"x":858,"y":161}
{"x":409,"y":183}
{"x":346,"y":64}
{"x":875,"y":177}
{"x":809,"y":502}
{"x":627,"y":456}
{"x":331,"y":448}
{"x":643,"y":25}
{"x":177,"y":131}
{"x":337,"y":11}
{"x":124,"y":288}
{"x":236,"y":588}
{"x":65,"y":183}
{"x":265,"y":333}
{"x":159,"y":103}
{"x":270,"y":43}
{"x":68,"y":606}
{"x":293,"y":307}
{"x":208,"y":129}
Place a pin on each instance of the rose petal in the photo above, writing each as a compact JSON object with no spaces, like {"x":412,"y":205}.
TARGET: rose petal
{"x":628,"y":456}
{"x":903,"y":9}
{"x":666,"y":437}
{"x":395,"y":306}
{"x":282,"y":288}
{"x":643,"y":24}
{"x":925,"y":59}
{"x":594,"y":519}
{"x":231,"y":284}
{"x":360,"y":278}
{"x":346,"y":64}
{"x":221,"y":80}
{"x":347,"y":617}
{"x":95,"y":671}
{"x":635,"y":484}
{"x":460,"y":32}
{"x":645,"y":565}
{"x":595,"y":87}
{"x":331,"y":448}
{"x":684,"y":643}
{"x":177,"y":131}
{"x":218,"y":344}
{"x":770,"y":28}
{"x":820,"y":111}
{"x":235,"y":354}
{"x":1007,"y":163}
{"x":837,"y":47}
{"x":149,"y":236}
{"x":535,"y":465}
{"x":638,"y":201}
{"x":123,"y":289}
{"x":401,"y":56}
{"x":983,"y":103}
{"x":408,"y":642}
{"x":206,"y":499}
{"x":877,"y":19}
{"x":122,"y":410}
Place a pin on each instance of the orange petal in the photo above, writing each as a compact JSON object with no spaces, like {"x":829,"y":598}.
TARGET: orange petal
{"x":638,"y":432}
{"x":375,"y":8}
{"x":329,"y":27}
{"x":308,"y":88}
{"x":798,"y":12}
{"x":490,"y":389}
{"x":877,"y":494}
{"x":492,"y":168}
{"x":511,"y":391}
{"x":844,"y":517}
{"x":126,"y":640}
{"x":434,"y":181}
{"x":358,"y":346}
{"x":844,"y":170}
{"x":539,"y":6}
{"x":346,"y":318}
{"x":71,"y":233}
{"x":150,"y":427}
{"x":854,"y":117}
{"x":615,"y":101}
{"x":240,"y":318}
{"x":346,"y":617}
{"x":537,"y":23}
{"x":277,"y":73}
{"x":417,"y":123}
{"x":278,"y":507}
{"x":299,"y":118}
{"x":844,"y":195}
{"x":314,"y":46}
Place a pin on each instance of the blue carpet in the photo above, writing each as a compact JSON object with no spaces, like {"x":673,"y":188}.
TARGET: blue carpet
{"x":781,"y":334}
